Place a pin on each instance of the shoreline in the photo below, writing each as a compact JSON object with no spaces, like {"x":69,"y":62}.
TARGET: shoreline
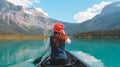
{"x":22,"y":37}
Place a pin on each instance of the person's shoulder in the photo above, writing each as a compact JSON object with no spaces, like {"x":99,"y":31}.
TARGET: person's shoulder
{"x":68,"y":41}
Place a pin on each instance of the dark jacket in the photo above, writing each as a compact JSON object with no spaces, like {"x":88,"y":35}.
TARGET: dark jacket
{"x":57,"y":52}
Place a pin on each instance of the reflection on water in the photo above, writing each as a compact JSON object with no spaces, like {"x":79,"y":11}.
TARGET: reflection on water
{"x":90,"y":60}
{"x":13,"y":52}
{"x":95,"y":52}
{"x":105,"y":50}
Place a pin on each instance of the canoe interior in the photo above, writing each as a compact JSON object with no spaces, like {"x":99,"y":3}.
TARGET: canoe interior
{"x":73,"y":62}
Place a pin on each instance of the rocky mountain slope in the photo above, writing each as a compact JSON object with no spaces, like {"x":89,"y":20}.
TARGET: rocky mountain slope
{"x":18,"y":20}
{"x":108,"y":19}
{"x":15,"y":19}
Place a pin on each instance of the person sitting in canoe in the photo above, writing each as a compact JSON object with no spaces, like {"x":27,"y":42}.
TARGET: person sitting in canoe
{"x":57,"y":44}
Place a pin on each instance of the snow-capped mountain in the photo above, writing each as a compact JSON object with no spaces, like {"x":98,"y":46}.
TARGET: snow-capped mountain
{"x":108,"y":19}
{"x":16,"y":19}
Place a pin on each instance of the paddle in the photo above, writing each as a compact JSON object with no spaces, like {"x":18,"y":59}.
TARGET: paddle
{"x":36,"y":61}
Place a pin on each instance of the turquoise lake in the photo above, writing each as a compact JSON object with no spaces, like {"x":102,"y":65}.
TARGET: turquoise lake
{"x":95,"y":52}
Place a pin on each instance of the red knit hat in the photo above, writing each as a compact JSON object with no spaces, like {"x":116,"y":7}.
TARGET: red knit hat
{"x":58,"y":27}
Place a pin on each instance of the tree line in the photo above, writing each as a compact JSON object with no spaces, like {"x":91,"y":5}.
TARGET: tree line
{"x":99,"y":34}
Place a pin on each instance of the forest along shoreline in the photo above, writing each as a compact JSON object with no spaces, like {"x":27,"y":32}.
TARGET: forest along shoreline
{"x":21,"y":37}
{"x":86,"y":35}
{"x":98,"y":34}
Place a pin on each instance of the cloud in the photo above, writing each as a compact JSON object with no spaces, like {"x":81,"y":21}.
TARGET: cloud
{"x":90,"y":12}
{"x":40,"y":10}
{"x":24,"y":3}
{"x":36,"y":1}
{"x":27,"y":3}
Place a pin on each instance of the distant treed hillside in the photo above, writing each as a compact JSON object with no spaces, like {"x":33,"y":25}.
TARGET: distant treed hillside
{"x":99,"y":34}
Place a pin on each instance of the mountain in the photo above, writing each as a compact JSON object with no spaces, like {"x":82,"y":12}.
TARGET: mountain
{"x":108,"y":19}
{"x":18,"y":20}
{"x":15,"y":19}
{"x":8,"y":7}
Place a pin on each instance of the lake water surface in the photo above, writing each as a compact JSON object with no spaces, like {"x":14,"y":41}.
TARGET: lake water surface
{"x":95,"y":52}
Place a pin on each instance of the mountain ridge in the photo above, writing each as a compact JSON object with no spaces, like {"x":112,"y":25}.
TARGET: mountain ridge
{"x":108,"y":19}
{"x":18,"y":20}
